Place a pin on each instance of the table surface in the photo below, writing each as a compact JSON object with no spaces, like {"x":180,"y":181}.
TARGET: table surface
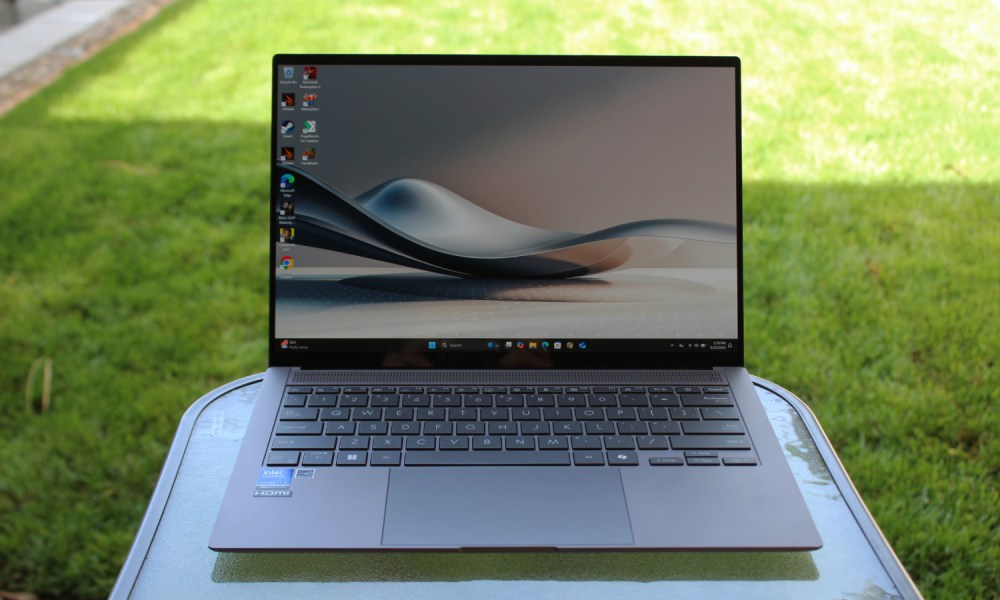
{"x":170,"y":557}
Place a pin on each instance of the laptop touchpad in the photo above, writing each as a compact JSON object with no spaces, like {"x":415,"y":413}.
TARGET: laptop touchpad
{"x":506,"y":507}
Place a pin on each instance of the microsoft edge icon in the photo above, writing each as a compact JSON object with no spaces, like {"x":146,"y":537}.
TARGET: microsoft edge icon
{"x":287,"y":180}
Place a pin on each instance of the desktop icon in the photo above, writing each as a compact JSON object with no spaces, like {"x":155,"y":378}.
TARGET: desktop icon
{"x":284,"y":343}
{"x":556,"y":345}
{"x":545,"y":345}
{"x":309,"y":154}
{"x":286,"y":235}
{"x":582,"y":345}
{"x":309,"y":99}
{"x":309,"y":73}
{"x":287,"y":208}
{"x":287,"y":127}
{"x":532,"y":345}
{"x":432,"y":345}
{"x":287,"y":262}
{"x":287,"y":181}
{"x":508,"y":344}
{"x":309,"y":127}
{"x":288,"y":100}
{"x":288,"y":73}
{"x":287,"y":154}
{"x":569,"y":345}
{"x":520,"y":345}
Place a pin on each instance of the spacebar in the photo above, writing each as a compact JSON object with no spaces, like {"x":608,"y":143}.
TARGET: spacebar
{"x":457,"y":459}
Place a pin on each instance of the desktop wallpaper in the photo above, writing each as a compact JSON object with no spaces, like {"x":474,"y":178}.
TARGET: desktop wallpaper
{"x":430,"y":201}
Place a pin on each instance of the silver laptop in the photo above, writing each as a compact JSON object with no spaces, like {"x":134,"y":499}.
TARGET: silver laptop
{"x":506,"y":313}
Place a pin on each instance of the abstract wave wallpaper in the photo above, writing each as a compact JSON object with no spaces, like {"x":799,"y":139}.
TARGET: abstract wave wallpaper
{"x":503,"y":202}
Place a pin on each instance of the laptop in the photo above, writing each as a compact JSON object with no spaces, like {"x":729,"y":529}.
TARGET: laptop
{"x":506,"y":313}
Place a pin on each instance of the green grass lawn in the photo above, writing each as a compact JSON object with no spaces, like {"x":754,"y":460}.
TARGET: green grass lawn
{"x":133,"y":223}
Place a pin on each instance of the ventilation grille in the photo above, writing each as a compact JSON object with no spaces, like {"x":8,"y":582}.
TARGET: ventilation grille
{"x":509,"y":377}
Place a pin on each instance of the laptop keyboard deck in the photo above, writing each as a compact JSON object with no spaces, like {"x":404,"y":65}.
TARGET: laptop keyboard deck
{"x":414,"y":426}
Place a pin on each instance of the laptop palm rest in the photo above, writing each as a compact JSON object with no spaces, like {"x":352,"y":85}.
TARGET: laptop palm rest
{"x":506,"y":507}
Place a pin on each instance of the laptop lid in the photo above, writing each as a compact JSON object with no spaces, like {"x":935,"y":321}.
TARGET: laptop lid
{"x":505,"y":212}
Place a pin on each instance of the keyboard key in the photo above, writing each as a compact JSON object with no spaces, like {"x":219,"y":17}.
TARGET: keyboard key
{"x":570,"y":428}
{"x":621,"y":414}
{"x":385,"y":458}
{"x":685,"y":414}
{"x":387,"y":442}
{"x":467,"y":390}
{"x":518,"y":442}
{"x":618,"y":442}
{"x":299,"y":428}
{"x":666,"y":461}
{"x":653,"y":414}
{"x":700,"y":454}
{"x":317,"y":459}
{"x":428,"y":459}
{"x":526,"y":414}
{"x":622,"y":458}
{"x":633,"y":400}
{"x":283,"y":458}
{"x":356,"y":390}
{"x":351,"y":458}
{"x":404,"y":428}
{"x":470,"y":428}
{"x":508,"y":428}
{"x":420,"y":442}
{"x":535,"y":428}
{"x":632,"y":428}
{"x":557,"y":414}
{"x":586,"y":442}
{"x":354,"y":442}
{"x":445,"y":400}
{"x":340,"y":428}
{"x":373,"y":428}
{"x":589,"y":414}
{"x":298,"y":389}
{"x":327,"y":390}
{"x":385,"y":400}
{"x":715,"y":414}
{"x":494,"y":414}
{"x":479,"y":400}
{"x":298,"y":414}
{"x":453,"y":443}
{"x":664,"y":428}
{"x":384,"y":390}
{"x":571,"y":400}
{"x":334,"y":414}
{"x":713,"y":428}
{"x":540,"y":400}
{"x":703,"y":461}
{"x":709,"y":442}
{"x":603,"y":400}
{"x":304,"y":442}
{"x":320,"y":400}
{"x":430,"y":414}
{"x":705,"y":400}
{"x":462,"y":414}
{"x":294,"y":400}
{"x":416,"y":400}
{"x":587,"y":458}
{"x":664,"y":400}
{"x":487,"y":443}
{"x":553,"y":443}
{"x":600,"y":428}
{"x":399,"y":414}
{"x":652,"y":442}
{"x":510,"y":400}
{"x":438,"y":428}
{"x":739,"y":461}
{"x":439,"y":390}
{"x":354,"y":400}
{"x":411,"y":390}
{"x":367,"y":414}
{"x":716,"y":390}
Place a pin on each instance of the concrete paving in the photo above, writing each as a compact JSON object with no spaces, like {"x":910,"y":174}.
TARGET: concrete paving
{"x":28,"y":41}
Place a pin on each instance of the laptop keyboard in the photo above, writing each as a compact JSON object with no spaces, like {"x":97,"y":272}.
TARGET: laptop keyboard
{"x":412,"y":426}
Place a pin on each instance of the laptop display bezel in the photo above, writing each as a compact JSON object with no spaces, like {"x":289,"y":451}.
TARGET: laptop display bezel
{"x":406,"y":353}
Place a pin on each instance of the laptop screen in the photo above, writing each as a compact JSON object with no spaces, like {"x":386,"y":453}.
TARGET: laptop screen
{"x":505,"y":211}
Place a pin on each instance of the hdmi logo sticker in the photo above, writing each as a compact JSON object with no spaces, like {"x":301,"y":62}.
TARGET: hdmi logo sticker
{"x":272,"y":493}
